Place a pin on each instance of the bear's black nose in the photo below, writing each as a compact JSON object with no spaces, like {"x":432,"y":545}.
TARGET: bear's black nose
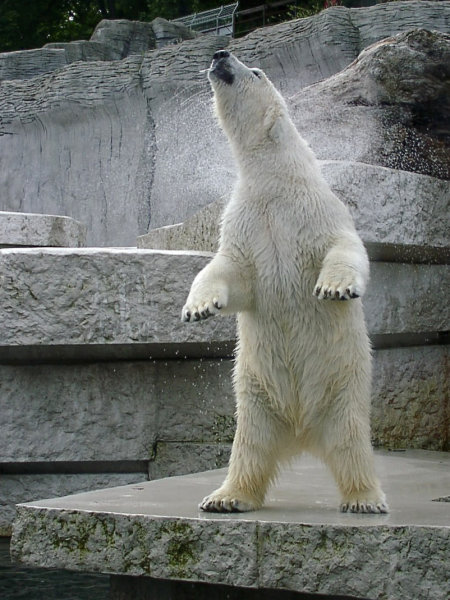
{"x":221,"y":54}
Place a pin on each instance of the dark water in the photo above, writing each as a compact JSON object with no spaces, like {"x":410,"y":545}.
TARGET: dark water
{"x":25,"y":583}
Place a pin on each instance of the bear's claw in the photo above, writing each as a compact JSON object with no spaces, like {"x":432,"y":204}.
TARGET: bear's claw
{"x":367,"y":505}
{"x":203,"y":311}
{"x":330,"y":292}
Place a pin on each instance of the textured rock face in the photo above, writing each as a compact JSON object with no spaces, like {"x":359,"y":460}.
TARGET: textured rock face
{"x":47,"y":410}
{"x":130,"y":145}
{"x":109,"y":423}
{"x":29,"y":63}
{"x":23,"y":229}
{"x":399,"y":89}
{"x":410,"y":398}
{"x":111,"y":40}
{"x":103,"y":297}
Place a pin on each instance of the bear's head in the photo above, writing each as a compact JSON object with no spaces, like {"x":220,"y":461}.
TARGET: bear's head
{"x":249,"y":108}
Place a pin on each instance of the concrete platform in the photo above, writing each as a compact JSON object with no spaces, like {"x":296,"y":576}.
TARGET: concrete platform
{"x":298,"y":541}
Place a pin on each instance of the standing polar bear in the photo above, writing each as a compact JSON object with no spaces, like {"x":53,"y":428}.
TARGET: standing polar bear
{"x":288,"y":253}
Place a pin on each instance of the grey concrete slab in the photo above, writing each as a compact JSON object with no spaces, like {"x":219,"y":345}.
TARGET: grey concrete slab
{"x":23,"y":487}
{"x":30,"y":229}
{"x":297,"y":541}
{"x":120,"y":299}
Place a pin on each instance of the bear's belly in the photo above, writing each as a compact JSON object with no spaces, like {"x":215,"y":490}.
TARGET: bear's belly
{"x":302,"y":351}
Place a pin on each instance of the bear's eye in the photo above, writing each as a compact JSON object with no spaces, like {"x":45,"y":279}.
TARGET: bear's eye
{"x":257,"y":73}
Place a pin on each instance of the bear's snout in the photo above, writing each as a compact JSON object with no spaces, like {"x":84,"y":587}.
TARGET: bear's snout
{"x":221,"y":54}
{"x":220,"y":67}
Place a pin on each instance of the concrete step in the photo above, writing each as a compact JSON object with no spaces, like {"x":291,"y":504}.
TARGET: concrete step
{"x":53,"y":413}
{"x":298,"y":541}
{"x":67,"y":427}
{"x":87,"y":304}
{"x":31,"y":229}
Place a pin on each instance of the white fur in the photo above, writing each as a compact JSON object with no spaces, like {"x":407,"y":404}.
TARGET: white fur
{"x":288,"y":247}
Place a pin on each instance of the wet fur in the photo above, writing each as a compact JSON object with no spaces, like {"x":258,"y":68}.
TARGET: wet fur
{"x":292,"y":267}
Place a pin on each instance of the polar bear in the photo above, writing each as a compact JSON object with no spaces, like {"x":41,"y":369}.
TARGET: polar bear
{"x":288,"y":253}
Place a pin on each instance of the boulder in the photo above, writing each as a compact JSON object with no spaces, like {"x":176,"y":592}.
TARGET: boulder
{"x":390,"y":107}
{"x":135,"y":37}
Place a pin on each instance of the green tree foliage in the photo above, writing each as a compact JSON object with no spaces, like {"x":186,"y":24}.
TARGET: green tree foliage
{"x":26,"y":24}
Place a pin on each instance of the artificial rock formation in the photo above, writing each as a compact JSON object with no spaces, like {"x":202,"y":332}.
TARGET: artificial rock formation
{"x":121,"y":137}
{"x":129,"y":143}
{"x":111,"y":40}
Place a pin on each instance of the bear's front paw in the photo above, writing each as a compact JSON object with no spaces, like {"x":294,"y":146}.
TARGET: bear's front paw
{"x":227,"y":501}
{"x":345,"y":289}
{"x":197,"y":308}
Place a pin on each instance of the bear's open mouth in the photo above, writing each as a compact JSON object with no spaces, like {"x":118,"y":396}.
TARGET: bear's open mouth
{"x":221,"y":70}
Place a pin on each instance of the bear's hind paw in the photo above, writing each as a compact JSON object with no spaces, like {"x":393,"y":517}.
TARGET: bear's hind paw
{"x":225,"y":503}
{"x":365,"y":505}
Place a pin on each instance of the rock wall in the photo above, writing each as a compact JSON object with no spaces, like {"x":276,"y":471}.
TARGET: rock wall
{"x":101,"y":384}
{"x":123,"y":138}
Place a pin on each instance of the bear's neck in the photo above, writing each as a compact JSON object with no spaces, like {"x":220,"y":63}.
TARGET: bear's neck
{"x":275,"y":161}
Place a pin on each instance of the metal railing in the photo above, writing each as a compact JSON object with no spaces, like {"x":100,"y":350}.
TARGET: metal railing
{"x":217,"y":20}
{"x":269,"y":13}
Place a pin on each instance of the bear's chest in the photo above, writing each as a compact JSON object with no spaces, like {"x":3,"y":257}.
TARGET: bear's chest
{"x":279,"y":243}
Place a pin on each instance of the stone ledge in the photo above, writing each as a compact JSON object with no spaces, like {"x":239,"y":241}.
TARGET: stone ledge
{"x":298,"y":541}
{"x":15,"y":489}
{"x":24,"y":64}
{"x":397,"y":213}
{"x":56,"y":413}
{"x":60,"y":412}
{"x":107,"y":298}
{"x":31,"y":229}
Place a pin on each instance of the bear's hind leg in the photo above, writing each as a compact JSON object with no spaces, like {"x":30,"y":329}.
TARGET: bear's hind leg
{"x":353,"y":467}
{"x":254,"y":457}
